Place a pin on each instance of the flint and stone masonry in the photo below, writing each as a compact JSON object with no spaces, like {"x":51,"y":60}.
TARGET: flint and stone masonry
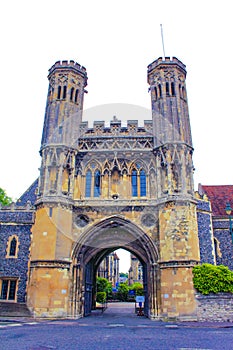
{"x":102,"y":188}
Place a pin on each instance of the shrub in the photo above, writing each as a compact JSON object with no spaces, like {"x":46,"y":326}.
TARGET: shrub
{"x":122,"y":293}
{"x":101,"y":284}
{"x":209,"y":278}
{"x":138,"y":288}
{"x":101,"y":297}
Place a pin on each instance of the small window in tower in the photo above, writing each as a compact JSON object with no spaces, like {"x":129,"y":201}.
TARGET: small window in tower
{"x":76,"y":96}
{"x":183,"y":93}
{"x":13,"y":246}
{"x":160,"y":91}
{"x":64,"y":92}
{"x":134,"y":183}
{"x":155,"y":93}
{"x":173,"y":88}
{"x":180,"y":90}
{"x":167,"y":89}
{"x":59,"y":92}
{"x":71,"y":94}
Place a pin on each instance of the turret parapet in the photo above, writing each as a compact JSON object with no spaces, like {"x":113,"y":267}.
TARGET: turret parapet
{"x":60,"y":65}
{"x":166,"y":61}
{"x":116,"y":128}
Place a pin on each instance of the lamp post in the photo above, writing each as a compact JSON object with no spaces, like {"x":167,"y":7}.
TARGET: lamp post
{"x":228,"y":210}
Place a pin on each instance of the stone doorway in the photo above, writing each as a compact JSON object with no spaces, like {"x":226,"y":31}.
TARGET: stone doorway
{"x":102,"y":239}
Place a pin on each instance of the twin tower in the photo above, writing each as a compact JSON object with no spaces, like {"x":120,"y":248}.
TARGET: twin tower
{"x":104,"y":188}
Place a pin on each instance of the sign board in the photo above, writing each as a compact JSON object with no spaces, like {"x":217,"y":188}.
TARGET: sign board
{"x":140,"y":299}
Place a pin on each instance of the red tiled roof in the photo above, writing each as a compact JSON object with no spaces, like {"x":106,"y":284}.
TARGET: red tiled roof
{"x":219,"y":196}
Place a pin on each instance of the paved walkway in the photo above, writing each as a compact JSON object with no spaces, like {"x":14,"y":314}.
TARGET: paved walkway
{"x":117,"y":315}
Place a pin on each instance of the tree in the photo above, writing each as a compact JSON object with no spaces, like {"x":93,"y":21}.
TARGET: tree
{"x":123,"y":274}
{"x":4,"y":199}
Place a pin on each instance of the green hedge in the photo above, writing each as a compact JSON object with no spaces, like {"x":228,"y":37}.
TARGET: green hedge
{"x":101,"y":297}
{"x":209,"y":278}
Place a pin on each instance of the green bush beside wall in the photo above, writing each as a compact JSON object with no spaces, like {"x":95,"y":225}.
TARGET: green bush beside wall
{"x":209,"y":278}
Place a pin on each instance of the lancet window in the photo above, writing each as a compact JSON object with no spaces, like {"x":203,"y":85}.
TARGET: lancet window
{"x":93,"y":184}
{"x":97,"y":183}
{"x":61,"y":93}
{"x":71,"y":93}
{"x":12,"y":247}
{"x":138,"y":182}
{"x":170,"y":88}
{"x":76,"y":96}
{"x":88,"y":184}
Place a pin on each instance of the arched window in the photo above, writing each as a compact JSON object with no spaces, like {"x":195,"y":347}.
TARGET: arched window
{"x":71,"y":94}
{"x":160,"y":90}
{"x":183,"y":93}
{"x":64,"y":92}
{"x":59,"y":92}
{"x":173,"y":88}
{"x":155,"y":93}
{"x":180,"y":90}
{"x":167,"y":89}
{"x":134,"y":183}
{"x":76,"y":96}
{"x":88,"y":184}
{"x":142,"y":183}
{"x":13,"y":246}
{"x":97,"y":184}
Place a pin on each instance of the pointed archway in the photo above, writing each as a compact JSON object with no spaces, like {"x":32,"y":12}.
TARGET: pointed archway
{"x":97,"y":242}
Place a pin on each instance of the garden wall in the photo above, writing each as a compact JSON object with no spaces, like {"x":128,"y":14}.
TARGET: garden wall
{"x":215,"y":307}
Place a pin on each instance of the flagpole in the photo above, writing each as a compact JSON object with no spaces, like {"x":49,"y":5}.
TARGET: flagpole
{"x":161,"y":26}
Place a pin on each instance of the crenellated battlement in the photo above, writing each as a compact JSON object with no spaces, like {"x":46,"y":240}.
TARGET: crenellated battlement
{"x":15,"y":213}
{"x":17,"y":207}
{"x":100,"y":128}
{"x":65,"y":64}
{"x":161,"y":61}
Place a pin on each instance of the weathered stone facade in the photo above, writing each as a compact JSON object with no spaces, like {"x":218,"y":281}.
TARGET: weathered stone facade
{"x":104,"y":188}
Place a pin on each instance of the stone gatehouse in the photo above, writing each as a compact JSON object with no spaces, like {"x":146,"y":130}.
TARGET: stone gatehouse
{"x":101,"y":188}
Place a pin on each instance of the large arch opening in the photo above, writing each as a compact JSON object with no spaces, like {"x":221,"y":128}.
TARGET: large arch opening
{"x":99,"y":241}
